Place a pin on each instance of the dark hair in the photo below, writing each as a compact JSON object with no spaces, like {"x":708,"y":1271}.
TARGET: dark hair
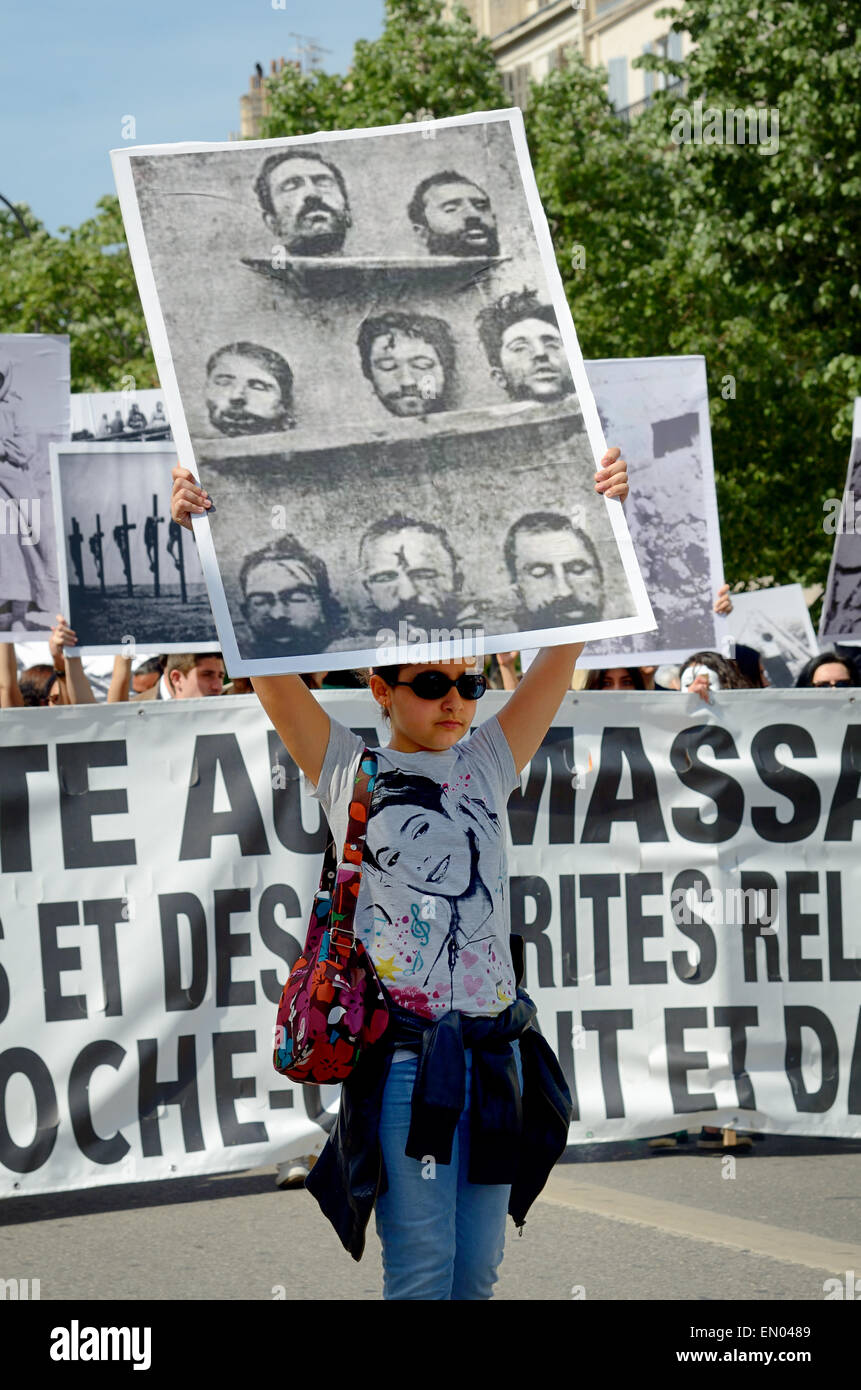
{"x":186,"y":661}
{"x":390,"y":674}
{"x":399,"y":522}
{"x":35,"y":684}
{"x":271,"y":361}
{"x":594,"y":678}
{"x":533,"y":524}
{"x":272,"y":161}
{"x":511,"y":308}
{"x":398,"y":788}
{"x":748,"y":662}
{"x":288,"y":548}
{"x":808,"y":671}
{"x":416,"y":209}
{"x":432,"y":330}
{"x":727,"y":672}
{"x":151,"y":665}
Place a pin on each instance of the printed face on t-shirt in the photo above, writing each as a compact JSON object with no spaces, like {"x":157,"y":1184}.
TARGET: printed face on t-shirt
{"x":421,"y":848}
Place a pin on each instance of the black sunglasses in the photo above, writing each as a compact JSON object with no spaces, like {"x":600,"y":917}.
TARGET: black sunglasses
{"x":435,"y":685}
{"x":834,"y":685}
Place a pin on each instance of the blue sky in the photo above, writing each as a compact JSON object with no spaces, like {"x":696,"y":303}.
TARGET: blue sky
{"x":70,"y":72}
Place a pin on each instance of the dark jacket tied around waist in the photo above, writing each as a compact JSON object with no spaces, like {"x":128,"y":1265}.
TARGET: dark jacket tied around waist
{"x":514,"y":1138}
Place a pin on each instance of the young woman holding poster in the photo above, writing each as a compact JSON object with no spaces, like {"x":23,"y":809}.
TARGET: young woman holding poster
{"x":458,"y":1113}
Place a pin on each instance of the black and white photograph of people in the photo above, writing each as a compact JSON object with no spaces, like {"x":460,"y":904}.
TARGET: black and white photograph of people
{"x":249,"y":390}
{"x":452,"y":216}
{"x":410,"y":574}
{"x":304,"y":202}
{"x":409,"y":360}
{"x":524,"y":348}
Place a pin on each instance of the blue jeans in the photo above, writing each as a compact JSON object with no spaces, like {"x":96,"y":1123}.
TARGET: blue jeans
{"x":442,"y":1236}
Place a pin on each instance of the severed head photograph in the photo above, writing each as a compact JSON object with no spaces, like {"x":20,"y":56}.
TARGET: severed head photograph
{"x":367,"y":341}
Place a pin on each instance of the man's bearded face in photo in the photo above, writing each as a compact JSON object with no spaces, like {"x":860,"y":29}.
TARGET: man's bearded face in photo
{"x":407,"y":374}
{"x":242,"y":397}
{"x":459,"y":221}
{"x":310,"y":212}
{"x":410,"y":577}
{"x":558,"y":578}
{"x":283,"y":606}
{"x":533,"y":362}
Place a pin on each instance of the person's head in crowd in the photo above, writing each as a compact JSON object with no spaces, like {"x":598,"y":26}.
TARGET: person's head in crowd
{"x":249,"y":390}
{"x":424,"y":703}
{"x":524,"y":348}
{"x":667,"y":678}
{"x":705,"y":672}
{"x":452,"y":216}
{"x":409,"y":361}
{"x":304,"y":202}
{"x":616,"y":678}
{"x":191,"y":675}
{"x":749,"y":662}
{"x":286,"y":599}
{"x":554,"y":570}
{"x":828,"y":671}
{"x":147,"y":674}
{"x":410,"y":573}
{"x":648,"y":674}
{"x":40,"y":685}
{"x":239,"y":685}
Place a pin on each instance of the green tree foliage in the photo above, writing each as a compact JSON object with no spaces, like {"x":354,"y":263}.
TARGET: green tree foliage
{"x":422,"y":66}
{"x":79,"y":282}
{"x":724,"y":249}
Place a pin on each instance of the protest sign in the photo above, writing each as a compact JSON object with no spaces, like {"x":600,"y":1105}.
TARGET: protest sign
{"x":34,"y":412}
{"x":120,"y":417}
{"x":840,"y":620}
{"x":370,"y":364}
{"x":656,"y":409}
{"x":682,"y":874}
{"x":776,"y":623}
{"x":130,"y":576}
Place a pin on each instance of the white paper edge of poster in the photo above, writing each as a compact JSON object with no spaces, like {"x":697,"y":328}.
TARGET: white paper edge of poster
{"x":664,"y":656}
{"x":7,"y":634}
{"x":643,"y":619}
{"x":84,"y":446}
{"x":826,"y":638}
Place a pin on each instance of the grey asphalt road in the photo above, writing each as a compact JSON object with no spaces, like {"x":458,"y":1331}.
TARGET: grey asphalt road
{"x":616,"y":1222}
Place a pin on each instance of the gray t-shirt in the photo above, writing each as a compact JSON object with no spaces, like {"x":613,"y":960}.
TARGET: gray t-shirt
{"x":433,"y":906}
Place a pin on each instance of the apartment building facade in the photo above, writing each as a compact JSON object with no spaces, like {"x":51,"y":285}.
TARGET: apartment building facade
{"x":531,"y":37}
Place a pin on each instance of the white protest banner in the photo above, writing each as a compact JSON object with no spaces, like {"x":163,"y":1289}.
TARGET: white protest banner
{"x":684,"y":876}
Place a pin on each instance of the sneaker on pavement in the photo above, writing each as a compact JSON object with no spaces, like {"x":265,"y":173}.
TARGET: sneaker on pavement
{"x":662,"y":1141}
{"x":294,"y":1172}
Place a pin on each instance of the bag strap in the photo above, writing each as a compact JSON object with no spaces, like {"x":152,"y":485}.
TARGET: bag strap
{"x":348,"y":877}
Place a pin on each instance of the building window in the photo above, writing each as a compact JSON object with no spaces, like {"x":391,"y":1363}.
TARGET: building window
{"x":648,"y":75}
{"x":515,"y":84}
{"x":617,"y":82}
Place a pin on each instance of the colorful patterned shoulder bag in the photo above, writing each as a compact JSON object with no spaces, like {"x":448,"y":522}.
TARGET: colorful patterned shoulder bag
{"x":332,"y":1005}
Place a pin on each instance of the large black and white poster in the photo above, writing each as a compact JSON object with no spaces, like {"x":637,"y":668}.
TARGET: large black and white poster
{"x":370,"y":364}
{"x":841,"y":607}
{"x":130,"y":577}
{"x":121,"y":417}
{"x":656,"y":409}
{"x":34,"y":413}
